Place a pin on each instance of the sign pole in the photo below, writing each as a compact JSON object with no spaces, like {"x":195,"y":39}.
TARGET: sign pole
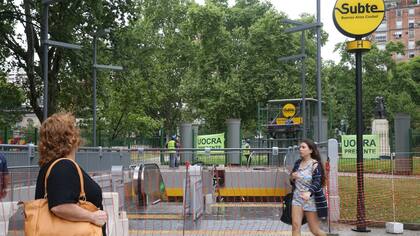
{"x":358,"y":19}
{"x":361,"y":214}
{"x":358,"y":46}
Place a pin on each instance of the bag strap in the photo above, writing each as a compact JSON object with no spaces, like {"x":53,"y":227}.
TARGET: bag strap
{"x":82,"y":195}
{"x":313,"y":166}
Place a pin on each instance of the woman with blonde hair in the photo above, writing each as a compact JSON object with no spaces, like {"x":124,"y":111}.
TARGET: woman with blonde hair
{"x":60,"y":138}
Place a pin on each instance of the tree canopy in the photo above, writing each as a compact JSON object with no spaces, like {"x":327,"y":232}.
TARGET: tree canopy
{"x":11,"y":99}
{"x":186,"y":62}
{"x":398,"y":84}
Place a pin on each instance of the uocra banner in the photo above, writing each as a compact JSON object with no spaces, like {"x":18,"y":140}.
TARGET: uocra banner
{"x":370,"y":146}
{"x":211,"y":141}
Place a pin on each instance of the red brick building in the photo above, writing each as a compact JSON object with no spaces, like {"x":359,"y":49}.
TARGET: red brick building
{"x":401,"y":23}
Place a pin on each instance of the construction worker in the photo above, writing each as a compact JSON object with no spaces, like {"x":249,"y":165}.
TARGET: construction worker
{"x":178,"y":152}
{"x":171,"y":145}
{"x":246,"y":151}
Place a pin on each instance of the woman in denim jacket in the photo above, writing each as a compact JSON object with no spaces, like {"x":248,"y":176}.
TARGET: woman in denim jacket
{"x":308,"y":178}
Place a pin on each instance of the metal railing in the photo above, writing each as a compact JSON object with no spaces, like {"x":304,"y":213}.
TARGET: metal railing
{"x":100,"y":159}
{"x":260,"y":214}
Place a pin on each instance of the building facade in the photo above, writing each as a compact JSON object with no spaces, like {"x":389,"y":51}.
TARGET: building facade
{"x":401,"y":24}
{"x":17,"y":77}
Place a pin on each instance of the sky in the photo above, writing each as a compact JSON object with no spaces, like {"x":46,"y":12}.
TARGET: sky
{"x":294,"y":8}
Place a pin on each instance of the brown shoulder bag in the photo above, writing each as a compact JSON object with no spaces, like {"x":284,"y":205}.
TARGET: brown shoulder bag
{"x":40,"y":221}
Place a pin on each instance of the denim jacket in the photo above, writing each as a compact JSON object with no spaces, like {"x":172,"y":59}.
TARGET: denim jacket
{"x":315,"y":189}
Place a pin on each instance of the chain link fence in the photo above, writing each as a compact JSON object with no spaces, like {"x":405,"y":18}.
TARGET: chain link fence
{"x":227,"y":193}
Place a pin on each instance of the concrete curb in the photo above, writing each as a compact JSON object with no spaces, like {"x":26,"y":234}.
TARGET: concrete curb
{"x":415,"y":227}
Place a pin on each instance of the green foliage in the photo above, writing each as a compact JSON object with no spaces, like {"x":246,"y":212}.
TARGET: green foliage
{"x":70,"y":21}
{"x":11,"y":98}
{"x":188,"y":62}
{"x":237,"y":63}
{"x":397,"y":83}
{"x":183,"y":61}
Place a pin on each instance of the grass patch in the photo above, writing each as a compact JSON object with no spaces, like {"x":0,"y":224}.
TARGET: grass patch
{"x":220,"y":160}
{"x":378,"y":199}
{"x":370,"y":166}
{"x":210,"y":160}
{"x":344,"y":165}
{"x":373,"y":166}
{"x":135,"y":156}
{"x":416,"y":165}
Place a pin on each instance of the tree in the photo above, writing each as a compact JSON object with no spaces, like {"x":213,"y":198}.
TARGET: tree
{"x":70,"y":21}
{"x":183,"y":61}
{"x":237,"y":61}
{"x":405,"y":84}
{"x":157,"y":53}
{"x":381,"y":77}
{"x":11,"y":99}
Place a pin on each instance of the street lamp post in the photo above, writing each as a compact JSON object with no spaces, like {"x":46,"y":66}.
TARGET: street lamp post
{"x":301,"y":27}
{"x":94,"y":67}
{"x":44,"y":37}
{"x":45,"y":42}
{"x":318,"y":67}
{"x":301,"y":57}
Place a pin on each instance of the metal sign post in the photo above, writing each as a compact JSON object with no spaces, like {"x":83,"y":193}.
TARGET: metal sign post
{"x":301,"y":27}
{"x":361,"y":214}
{"x":361,"y":21}
{"x":95,"y":67}
{"x":46,"y":43}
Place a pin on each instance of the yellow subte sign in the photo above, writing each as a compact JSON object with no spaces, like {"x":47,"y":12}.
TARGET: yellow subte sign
{"x":358,"y":18}
{"x":358,"y":45}
{"x":289,"y":110}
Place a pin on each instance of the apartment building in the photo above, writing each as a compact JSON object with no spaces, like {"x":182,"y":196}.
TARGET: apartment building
{"x":17,"y":77}
{"x":401,"y":24}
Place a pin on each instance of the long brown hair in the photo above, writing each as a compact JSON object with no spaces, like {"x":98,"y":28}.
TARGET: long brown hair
{"x":59,"y":136}
{"x":316,"y":156}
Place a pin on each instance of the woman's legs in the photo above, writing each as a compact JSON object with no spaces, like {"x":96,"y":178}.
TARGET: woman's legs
{"x":297,"y":215}
{"x":313,"y":222}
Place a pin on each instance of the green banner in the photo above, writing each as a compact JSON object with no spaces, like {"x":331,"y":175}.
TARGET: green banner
{"x":370,"y":146}
{"x":211,"y":141}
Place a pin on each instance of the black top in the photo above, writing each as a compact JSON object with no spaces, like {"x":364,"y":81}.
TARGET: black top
{"x":3,"y":164}
{"x":63,"y":185}
{"x":3,"y":172}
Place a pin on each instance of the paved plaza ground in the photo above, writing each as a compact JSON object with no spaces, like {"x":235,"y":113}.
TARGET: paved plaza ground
{"x":219,"y":219}
{"x":228,"y":219}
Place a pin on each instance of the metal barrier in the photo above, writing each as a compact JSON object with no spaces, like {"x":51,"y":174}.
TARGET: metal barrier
{"x":21,"y":157}
{"x":100,"y":159}
{"x":237,"y":199}
{"x":389,"y":195}
{"x":22,"y":188}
